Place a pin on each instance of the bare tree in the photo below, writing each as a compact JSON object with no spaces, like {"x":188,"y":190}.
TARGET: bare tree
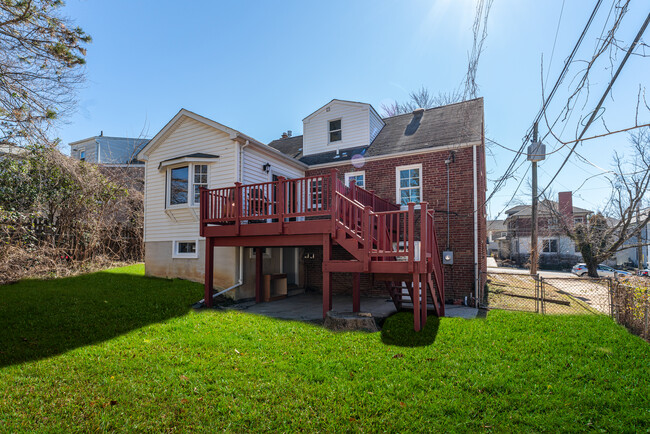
{"x":421,"y":98}
{"x":601,"y":237}
{"x":41,"y":58}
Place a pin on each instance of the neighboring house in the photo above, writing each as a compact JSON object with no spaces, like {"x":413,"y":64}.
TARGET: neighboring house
{"x":396,"y":160}
{"x":498,"y":241}
{"x":9,"y":150}
{"x":116,"y":157}
{"x":636,"y":255}
{"x":556,"y":250}
{"x":108,"y":151}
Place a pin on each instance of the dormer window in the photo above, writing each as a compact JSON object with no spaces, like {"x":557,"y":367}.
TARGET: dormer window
{"x":335,"y":131}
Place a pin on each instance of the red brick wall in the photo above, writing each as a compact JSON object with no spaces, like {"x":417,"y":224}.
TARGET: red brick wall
{"x":380,"y":177}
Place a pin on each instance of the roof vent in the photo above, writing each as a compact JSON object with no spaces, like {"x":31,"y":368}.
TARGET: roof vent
{"x":289,"y":133}
{"x":418,"y":111}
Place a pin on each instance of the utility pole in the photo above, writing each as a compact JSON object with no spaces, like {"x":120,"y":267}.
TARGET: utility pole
{"x":536,"y":152}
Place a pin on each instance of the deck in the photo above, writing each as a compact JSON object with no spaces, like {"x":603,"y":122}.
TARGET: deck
{"x":398,"y":246}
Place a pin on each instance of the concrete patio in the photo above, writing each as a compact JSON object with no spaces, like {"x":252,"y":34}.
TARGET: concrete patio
{"x":309,"y":307}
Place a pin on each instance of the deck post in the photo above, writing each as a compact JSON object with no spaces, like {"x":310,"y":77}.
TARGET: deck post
{"x":353,"y":190}
{"x":238,"y":207}
{"x":417,"y":313}
{"x":423,"y":294}
{"x":411,"y":235}
{"x":209,"y":271}
{"x":203,"y":215}
{"x":423,"y":237}
{"x":281,"y":202}
{"x":327,"y":278}
{"x":356,"y":292}
{"x":334,"y":199}
{"x":259,"y":257}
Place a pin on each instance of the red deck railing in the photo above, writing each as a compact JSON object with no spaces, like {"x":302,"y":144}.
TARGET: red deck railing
{"x":384,"y":230}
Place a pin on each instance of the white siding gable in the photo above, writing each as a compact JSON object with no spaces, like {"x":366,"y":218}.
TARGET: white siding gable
{"x":188,"y":137}
{"x":360,"y":124}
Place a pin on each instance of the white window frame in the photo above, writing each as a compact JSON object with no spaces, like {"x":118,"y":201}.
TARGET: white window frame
{"x":349,"y":175}
{"x":330,"y":131}
{"x":398,"y":189}
{"x":177,"y":255}
{"x":557,"y":245}
{"x":190,"y":184}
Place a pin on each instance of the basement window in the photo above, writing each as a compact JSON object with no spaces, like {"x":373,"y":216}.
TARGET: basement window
{"x":185,"y":249}
{"x":335,"y":131}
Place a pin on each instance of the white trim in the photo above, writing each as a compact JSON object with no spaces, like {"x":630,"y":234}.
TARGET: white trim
{"x":557,"y":245}
{"x":181,"y":161}
{"x":330,"y":131}
{"x":177,"y":255}
{"x":398,"y":189}
{"x":398,"y":154}
{"x":349,"y":175}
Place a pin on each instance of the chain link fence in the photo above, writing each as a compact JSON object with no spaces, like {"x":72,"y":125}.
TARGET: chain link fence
{"x":626,"y":301}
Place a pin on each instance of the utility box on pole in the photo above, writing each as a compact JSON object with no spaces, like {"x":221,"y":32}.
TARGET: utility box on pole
{"x":536,"y":152}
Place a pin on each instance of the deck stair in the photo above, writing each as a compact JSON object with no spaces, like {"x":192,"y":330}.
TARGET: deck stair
{"x":397,"y":246}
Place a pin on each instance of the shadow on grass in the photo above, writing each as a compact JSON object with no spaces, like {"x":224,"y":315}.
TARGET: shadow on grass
{"x":43,"y":318}
{"x":398,"y":330}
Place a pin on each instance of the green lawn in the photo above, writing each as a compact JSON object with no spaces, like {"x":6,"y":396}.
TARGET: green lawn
{"x":115,"y":351}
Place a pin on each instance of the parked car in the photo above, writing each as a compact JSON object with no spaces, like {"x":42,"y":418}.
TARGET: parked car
{"x":643,"y":273}
{"x":603,"y":271}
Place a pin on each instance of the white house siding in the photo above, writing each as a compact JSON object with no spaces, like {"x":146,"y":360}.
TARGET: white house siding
{"x":355,"y":127}
{"x":161,"y":228}
{"x":188,"y":138}
{"x":254,"y":159}
{"x":376,"y":124}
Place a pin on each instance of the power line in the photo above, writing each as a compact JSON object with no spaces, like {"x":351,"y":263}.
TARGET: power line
{"x":602,"y":99}
{"x":547,"y":100}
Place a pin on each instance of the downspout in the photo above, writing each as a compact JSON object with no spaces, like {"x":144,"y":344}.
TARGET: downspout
{"x":476,"y":271}
{"x":240,"y":178}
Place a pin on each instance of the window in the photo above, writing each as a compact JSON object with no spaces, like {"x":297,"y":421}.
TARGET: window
{"x":183,"y":189}
{"x":549,"y":246}
{"x":409,"y":184}
{"x":577,"y":220}
{"x":82,"y":156}
{"x":178,"y":185}
{"x":200,"y":180}
{"x":358,"y":177}
{"x":185,"y":249}
{"x":335,"y":131}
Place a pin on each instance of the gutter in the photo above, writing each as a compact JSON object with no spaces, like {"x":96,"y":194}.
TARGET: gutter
{"x":477,"y":279}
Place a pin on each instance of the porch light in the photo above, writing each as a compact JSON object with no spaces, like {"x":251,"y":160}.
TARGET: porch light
{"x":266,"y":167}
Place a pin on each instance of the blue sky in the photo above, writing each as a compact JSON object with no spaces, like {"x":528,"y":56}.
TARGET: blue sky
{"x":261,"y":67}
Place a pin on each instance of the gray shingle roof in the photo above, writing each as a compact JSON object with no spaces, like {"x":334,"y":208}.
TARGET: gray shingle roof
{"x":544,"y":209}
{"x":446,"y":125}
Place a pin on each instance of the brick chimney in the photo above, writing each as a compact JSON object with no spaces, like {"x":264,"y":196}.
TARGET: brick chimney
{"x":565,"y":204}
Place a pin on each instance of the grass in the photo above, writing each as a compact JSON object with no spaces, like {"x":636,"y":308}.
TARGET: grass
{"x":116,"y":351}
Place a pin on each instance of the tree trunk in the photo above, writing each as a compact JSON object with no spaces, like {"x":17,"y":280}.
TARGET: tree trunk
{"x":592,"y":267}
